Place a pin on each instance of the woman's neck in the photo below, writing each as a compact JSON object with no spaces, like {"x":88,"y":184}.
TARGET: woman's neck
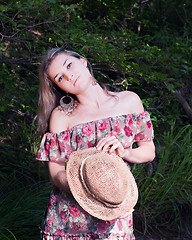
{"x":94,"y":97}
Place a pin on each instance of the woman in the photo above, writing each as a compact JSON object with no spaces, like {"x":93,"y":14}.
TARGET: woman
{"x":110,"y":121}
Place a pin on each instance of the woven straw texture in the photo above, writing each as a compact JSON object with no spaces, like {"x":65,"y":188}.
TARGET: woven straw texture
{"x":107,"y":178}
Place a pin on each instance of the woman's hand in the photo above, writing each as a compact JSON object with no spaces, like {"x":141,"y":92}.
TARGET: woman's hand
{"x":111,"y":144}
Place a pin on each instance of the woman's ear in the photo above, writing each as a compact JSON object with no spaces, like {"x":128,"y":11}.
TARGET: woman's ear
{"x":84,"y":61}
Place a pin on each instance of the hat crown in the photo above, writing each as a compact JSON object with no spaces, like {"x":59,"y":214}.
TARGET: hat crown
{"x":95,"y":180}
{"x":104,"y":179}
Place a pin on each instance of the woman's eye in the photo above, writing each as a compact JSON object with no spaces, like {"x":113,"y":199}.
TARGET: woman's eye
{"x":69,"y":65}
{"x":60,"y":78}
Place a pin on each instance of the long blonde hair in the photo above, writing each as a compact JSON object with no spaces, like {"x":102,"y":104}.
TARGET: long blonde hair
{"x":49,"y":92}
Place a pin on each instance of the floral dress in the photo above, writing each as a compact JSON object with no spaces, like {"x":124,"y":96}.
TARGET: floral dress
{"x":64,"y":218}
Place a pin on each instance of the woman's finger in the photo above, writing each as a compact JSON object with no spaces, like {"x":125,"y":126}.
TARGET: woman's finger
{"x":111,"y":144}
{"x":104,"y":141}
{"x":108,"y":144}
{"x":118,"y":149}
{"x":115,"y":146}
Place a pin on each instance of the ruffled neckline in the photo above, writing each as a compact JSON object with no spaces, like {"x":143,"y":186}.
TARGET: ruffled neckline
{"x":97,"y":120}
{"x":128,"y":128}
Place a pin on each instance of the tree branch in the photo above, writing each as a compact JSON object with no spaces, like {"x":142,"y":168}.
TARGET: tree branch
{"x":184,"y":103}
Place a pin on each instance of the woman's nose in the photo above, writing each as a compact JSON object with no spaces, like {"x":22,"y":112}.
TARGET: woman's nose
{"x":69,"y":77}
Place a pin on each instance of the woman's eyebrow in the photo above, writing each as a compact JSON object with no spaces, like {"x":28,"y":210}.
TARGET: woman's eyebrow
{"x":63,"y":66}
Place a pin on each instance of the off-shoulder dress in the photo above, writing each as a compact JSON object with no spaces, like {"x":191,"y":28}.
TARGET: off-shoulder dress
{"x":64,"y":218}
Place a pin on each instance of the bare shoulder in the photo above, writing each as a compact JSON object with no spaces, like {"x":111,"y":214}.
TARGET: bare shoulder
{"x":131,"y":101}
{"x":58,"y":121}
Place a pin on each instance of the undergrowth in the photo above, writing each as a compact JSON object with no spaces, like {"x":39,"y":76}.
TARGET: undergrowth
{"x":21,"y":207}
{"x":165,"y":185}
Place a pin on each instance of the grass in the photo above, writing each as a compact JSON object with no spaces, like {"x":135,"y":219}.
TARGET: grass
{"x":24,"y":182}
{"x":165,"y":185}
{"x":21,"y":207}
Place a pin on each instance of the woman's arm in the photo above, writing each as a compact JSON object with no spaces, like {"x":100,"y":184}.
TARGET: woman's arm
{"x":58,"y":123}
{"x":58,"y":176}
{"x":145,"y":152}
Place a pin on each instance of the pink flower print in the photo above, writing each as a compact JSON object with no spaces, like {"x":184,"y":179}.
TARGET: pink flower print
{"x":51,"y":201}
{"x":50,"y":206}
{"x":130,"y":222}
{"x":102,"y":226}
{"x":63,"y":216}
{"x":65,"y":136}
{"x":52,"y":142}
{"x":112,"y":133}
{"x":144,"y":114}
{"x":139,"y":137}
{"x":138,"y":121}
{"x":62,"y":147}
{"x":112,"y":222}
{"x":47,"y":148}
{"x":149,"y":124}
{"x":74,"y":211}
{"x":68,"y":152}
{"x":117,"y":129}
{"x":119,"y":224}
{"x":59,"y":232}
{"x":87,"y":130}
{"x":129,"y":120}
{"x":75,"y":226}
{"x":95,"y":236}
{"x":103,"y":126}
{"x":128,"y":131}
{"x":49,"y":222}
{"x":90,"y":144}
{"x":78,"y":139}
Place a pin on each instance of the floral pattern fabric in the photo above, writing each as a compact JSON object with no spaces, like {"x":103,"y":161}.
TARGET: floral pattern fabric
{"x":128,"y":129}
{"x":64,"y":218}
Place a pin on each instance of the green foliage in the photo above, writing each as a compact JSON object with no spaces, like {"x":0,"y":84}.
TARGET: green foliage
{"x":120,"y":57}
{"x":22,"y":206}
{"x":171,"y":16}
{"x":165,"y":187}
{"x":6,"y":234}
{"x":142,"y":46}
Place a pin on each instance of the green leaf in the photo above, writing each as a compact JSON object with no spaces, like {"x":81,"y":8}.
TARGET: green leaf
{"x":60,"y":41}
{"x":125,"y":84}
{"x":52,"y":1}
{"x":170,"y":87}
{"x":3,"y":8}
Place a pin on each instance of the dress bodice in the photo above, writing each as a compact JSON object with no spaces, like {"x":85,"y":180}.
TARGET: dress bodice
{"x":130,"y":128}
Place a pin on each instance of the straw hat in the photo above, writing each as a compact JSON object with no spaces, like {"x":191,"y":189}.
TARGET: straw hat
{"x":101,"y":183}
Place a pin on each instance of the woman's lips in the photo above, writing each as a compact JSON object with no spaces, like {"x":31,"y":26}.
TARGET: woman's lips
{"x":75,"y":81}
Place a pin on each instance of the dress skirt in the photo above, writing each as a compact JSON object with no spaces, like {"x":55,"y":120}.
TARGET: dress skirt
{"x":64,"y":219}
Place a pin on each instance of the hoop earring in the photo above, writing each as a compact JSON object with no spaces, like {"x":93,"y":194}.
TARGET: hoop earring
{"x":67,"y":104}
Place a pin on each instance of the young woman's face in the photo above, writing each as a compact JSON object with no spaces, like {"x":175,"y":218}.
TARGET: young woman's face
{"x":69,"y":73}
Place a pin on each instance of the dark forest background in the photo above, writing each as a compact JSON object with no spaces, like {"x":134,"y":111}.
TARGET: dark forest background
{"x":141,"y":45}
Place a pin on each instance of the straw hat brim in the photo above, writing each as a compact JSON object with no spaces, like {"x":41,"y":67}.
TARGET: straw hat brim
{"x":89,"y":203}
